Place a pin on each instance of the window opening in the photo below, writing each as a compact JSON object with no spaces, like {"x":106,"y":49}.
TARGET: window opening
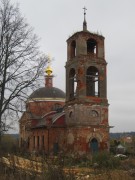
{"x":28,"y":143}
{"x":94,"y":113}
{"x":55,"y":148}
{"x":42,"y":141}
{"x":72,"y":83}
{"x":37,"y":141}
{"x":91,"y":46}
{"x":57,"y":107}
{"x":92,"y":81}
{"x":21,"y":143}
{"x":34,"y":141}
{"x":70,"y":114}
{"x":75,"y":85}
{"x":73,"y":49}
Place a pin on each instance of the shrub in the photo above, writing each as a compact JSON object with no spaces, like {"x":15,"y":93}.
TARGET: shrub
{"x":8,"y":144}
{"x":105,"y":160}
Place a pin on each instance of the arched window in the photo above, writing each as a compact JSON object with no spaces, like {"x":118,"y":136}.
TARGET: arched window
{"x":28,"y":142}
{"x":94,"y":113}
{"x":92,"y":81}
{"x":91,"y":46}
{"x":38,"y":141}
{"x":34,"y":140}
{"x":71,"y":114}
{"x":72,"y":83}
{"x":73,"y":49}
{"x":43,"y":144}
{"x":94,"y":145}
{"x":57,"y":107}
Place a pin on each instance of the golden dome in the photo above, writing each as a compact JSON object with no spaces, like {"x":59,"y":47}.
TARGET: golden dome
{"x":49,"y":70}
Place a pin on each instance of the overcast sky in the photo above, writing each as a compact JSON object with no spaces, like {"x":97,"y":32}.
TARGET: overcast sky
{"x":54,"y":20}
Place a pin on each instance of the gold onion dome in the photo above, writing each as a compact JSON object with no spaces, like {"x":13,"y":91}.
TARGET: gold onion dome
{"x":49,"y":70}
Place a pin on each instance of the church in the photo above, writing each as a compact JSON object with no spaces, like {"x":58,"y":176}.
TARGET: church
{"x":75,"y":121}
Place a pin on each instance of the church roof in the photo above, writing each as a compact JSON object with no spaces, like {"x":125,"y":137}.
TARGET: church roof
{"x":47,"y":92}
{"x":52,"y":119}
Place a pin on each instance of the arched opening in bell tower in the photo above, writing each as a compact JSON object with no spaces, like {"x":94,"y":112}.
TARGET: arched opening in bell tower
{"x":73,"y":49}
{"x":91,"y":46}
{"x":72,"y":83}
{"x":92,"y":81}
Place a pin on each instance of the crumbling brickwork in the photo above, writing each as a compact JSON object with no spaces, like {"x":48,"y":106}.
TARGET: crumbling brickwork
{"x":86,"y":93}
{"x":79,"y":125}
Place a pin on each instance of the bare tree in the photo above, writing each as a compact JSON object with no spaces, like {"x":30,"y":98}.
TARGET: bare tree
{"x":21,"y":62}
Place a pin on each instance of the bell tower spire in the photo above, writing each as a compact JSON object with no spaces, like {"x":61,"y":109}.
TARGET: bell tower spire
{"x":84,"y":22}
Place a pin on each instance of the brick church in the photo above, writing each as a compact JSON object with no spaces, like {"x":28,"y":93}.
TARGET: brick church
{"x":75,"y":121}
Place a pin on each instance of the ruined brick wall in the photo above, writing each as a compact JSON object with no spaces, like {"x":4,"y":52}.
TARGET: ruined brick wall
{"x":33,"y":109}
{"x":24,"y":130}
{"x":85,"y":123}
{"x":42,"y":107}
{"x":70,"y":140}
{"x":78,"y":139}
{"x":82,"y":114}
{"x":51,"y":137}
{"x":82,"y":61}
{"x":86,"y":93}
{"x":86,"y":111}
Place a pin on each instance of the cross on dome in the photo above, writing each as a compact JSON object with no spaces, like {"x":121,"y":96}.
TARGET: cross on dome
{"x":49,"y":70}
{"x":84,"y":22}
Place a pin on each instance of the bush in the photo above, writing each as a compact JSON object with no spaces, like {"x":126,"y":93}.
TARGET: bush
{"x":8,"y":144}
{"x":105,"y":160}
{"x":76,"y":160}
{"x":54,"y":172}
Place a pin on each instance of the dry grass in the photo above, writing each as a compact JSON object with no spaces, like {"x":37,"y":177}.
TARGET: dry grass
{"x":14,"y":167}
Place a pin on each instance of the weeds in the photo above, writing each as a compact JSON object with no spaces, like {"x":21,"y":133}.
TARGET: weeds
{"x":101,"y":166}
{"x":105,"y":160}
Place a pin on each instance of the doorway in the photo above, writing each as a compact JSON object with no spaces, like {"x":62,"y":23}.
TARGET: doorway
{"x":55,"y":148}
{"x":94,"y":145}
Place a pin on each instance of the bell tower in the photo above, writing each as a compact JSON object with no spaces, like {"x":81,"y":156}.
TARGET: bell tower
{"x":86,"y":87}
